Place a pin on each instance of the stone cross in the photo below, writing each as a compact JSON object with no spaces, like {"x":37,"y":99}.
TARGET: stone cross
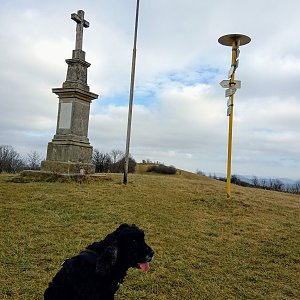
{"x":70,"y":150}
{"x":81,"y":22}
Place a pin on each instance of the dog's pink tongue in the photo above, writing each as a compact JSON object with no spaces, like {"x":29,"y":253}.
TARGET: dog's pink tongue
{"x":144,"y":267}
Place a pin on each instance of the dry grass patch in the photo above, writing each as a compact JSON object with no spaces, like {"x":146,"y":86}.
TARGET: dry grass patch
{"x":206,"y":247}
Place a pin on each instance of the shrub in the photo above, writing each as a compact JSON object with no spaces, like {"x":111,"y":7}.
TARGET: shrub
{"x":200,"y":173}
{"x":112,"y":162}
{"x":162,"y":169}
{"x":118,"y":167}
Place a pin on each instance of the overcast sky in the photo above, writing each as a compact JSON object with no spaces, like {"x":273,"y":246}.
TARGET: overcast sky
{"x":179,"y":115}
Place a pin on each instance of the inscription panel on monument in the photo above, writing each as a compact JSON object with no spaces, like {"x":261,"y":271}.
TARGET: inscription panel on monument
{"x":65,"y":115}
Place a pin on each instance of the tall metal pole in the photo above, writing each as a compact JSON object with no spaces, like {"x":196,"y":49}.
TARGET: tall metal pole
{"x":125,"y":179}
{"x":233,"y":40}
{"x":231,"y":82}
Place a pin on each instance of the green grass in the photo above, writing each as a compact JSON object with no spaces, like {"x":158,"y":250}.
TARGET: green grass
{"x":206,"y":247}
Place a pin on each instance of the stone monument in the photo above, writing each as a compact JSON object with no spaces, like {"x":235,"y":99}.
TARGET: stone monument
{"x":70,"y":150}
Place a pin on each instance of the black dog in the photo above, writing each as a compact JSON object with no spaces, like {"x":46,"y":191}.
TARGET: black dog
{"x":97,"y":272}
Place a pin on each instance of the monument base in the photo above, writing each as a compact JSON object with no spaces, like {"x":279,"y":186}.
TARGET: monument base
{"x":27,"y":176}
{"x":68,"y":157}
{"x":60,"y":167}
{"x":69,"y":151}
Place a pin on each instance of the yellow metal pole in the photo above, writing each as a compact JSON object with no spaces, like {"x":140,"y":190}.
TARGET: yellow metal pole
{"x":229,"y":150}
{"x":231,"y":83}
{"x":234,"y":41}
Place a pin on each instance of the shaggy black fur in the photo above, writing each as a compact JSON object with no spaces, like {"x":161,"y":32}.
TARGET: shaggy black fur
{"x":96,"y":273}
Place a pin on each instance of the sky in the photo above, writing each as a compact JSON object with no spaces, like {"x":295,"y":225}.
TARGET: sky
{"x":179,"y":113}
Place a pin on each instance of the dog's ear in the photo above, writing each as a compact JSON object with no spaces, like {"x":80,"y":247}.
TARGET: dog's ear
{"x":107,"y":260}
{"x":123,"y":226}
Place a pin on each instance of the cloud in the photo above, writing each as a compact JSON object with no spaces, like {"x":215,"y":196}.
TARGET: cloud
{"x":179,"y":115}
{"x":181,"y":125}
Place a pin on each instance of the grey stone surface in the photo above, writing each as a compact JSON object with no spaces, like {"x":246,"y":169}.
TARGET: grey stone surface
{"x":70,"y":150}
{"x":81,"y":23}
{"x":58,"y":167}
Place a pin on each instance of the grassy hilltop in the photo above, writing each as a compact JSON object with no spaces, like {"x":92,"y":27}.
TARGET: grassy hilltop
{"x":206,"y":247}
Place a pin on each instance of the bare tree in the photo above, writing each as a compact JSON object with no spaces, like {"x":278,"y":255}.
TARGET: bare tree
{"x":10,"y":160}
{"x":111,"y":162}
{"x":199,"y":172}
{"x":119,"y":165}
{"x":34,"y":160}
{"x":116,"y":154}
{"x":276,"y":185}
{"x":255,"y":181}
{"x":263,"y":183}
{"x":295,"y":188}
{"x":102,"y":161}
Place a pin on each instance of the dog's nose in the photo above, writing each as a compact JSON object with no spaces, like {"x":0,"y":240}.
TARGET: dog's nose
{"x":151,"y":253}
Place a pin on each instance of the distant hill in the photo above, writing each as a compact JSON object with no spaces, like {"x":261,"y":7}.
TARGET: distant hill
{"x":285,"y":181}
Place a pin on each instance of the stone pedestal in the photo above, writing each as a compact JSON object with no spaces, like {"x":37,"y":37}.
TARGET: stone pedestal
{"x":70,"y":150}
